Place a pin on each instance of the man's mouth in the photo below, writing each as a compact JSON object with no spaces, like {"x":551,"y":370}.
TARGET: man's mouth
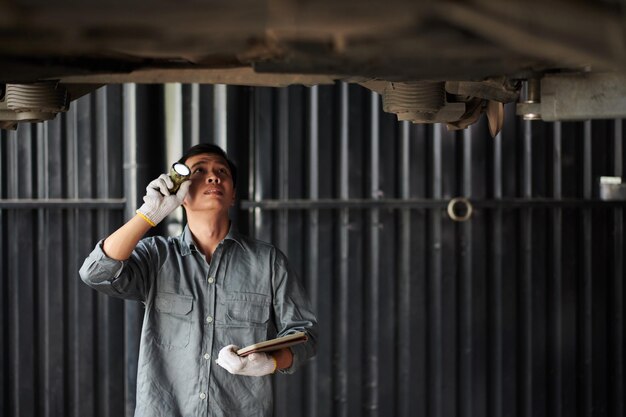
{"x":213,"y":191}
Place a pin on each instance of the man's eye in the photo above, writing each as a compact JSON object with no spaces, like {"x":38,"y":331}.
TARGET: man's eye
{"x":198,"y":170}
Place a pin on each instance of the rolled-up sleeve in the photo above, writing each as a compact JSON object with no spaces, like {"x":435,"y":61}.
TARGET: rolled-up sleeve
{"x":129,"y":279}
{"x":293,"y":312}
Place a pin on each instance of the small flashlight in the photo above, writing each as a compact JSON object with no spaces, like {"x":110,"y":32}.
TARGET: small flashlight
{"x":179,"y":173}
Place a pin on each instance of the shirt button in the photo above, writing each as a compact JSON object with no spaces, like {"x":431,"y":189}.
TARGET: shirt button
{"x":209,"y":319}
{"x":202,"y":395}
{"x":211,"y":280}
{"x":207,"y":356}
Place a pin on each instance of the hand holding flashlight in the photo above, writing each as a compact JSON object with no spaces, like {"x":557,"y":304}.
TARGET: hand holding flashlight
{"x":179,"y":173}
{"x":165,"y":194}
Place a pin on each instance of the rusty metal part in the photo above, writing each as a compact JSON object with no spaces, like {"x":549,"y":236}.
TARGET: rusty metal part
{"x":421,"y":102}
{"x":495,"y":117}
{"x":501,"y":89}
{"x":32,"y":102}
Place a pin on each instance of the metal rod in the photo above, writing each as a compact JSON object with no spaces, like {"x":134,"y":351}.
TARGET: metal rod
{"x":340,"y":380}
{"x":5,"y":390}
{"x":60,"y":203}
{"x":525,"y":282}
{"x":496,"y":349}
{"x":617,"y":293}
{"x":313,"y":248}
{"x":102,"y":313}
{"x":586,"y":287}
{"x":71,"y":260}
{"x":132,"y":314}
{"x":464,"y":242}
{"x":341,"y":356}
{"x":43,"y":272}
{"x":555,"y":319}
{"x":372,"y":288}
{"x":281,"y":218}
{"x":304,"y":204}
{"x":220,"y":133}
{"x":173,"y":110}
{"x":424,"y":203}
{"x":12,"y":267}
{"x":404,"y":353}
{"x":252,"y":168}
{"x":435,"y":285}
{"x":195,"y":115}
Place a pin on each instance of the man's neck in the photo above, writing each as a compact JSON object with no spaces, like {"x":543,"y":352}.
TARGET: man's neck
{"x":208,"y":232}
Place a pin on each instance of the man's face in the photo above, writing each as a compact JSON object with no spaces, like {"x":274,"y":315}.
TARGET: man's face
{"x":211,"y":184}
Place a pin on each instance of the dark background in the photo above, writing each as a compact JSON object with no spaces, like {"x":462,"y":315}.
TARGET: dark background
{"x":516,"y":312}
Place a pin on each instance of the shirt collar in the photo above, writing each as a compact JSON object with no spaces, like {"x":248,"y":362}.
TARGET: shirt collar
{"x":188,"y":244}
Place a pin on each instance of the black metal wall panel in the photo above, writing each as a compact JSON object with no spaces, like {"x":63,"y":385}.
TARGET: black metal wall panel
{"x":516,"y":312}
{"x":495,"y":316}
{"x":62,"y":188}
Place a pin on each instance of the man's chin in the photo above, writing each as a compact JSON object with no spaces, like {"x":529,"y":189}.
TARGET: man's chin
{"x":213,"y":205}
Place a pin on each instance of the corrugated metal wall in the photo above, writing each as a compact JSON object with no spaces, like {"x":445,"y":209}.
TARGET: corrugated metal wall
{"x":516,"y":312}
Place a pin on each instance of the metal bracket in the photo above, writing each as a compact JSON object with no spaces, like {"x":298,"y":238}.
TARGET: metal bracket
{"x":577,"y":96}
{"x":611,"y":189}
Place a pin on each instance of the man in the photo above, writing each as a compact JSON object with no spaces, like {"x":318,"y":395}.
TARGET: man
{"x":206,"y":293}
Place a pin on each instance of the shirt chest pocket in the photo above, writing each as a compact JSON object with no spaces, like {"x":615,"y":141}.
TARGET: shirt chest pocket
{"x":173,"y":319}
{"x":245,"y":310}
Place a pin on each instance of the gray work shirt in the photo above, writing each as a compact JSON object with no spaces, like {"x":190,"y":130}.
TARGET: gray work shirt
{"x":247,"y":294}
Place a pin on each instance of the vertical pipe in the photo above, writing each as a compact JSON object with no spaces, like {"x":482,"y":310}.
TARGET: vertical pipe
{"x":372,"y":291}
{"x":43,"y":275}
{"x":30,"y":309}
{"x":252,"y":168}
{"x":18,"y":294}
{"x":525,"y":282}
{"x":404,"y":363}
{"x":53,"y":281}
{"x":12,"y":291}
{"x":465,"y":286}
{"x":220,"y":132}
{"x":103,"y":380}
{"x":129,"y":97}
{"x":195,"y":115}
{"x":343,"y":296}
{"x":173,"y":122}
{"x":282,"y":393}
{"x":496,"y":348}
{"x":555,"y":307}
{"x":4,"y":318}
{"x":104,"y":361}
{"x":73,"y":391}
{"x":283,"y":164}
{"x":435,"y":285}
{"x":87,"y":328}
{"x":313,"y":238}
{"x":173,"y":144}
{"x":617,"y":291}
{"x":265,"y":159}
{"x":586,"y":286}
{"x":132,"y":314}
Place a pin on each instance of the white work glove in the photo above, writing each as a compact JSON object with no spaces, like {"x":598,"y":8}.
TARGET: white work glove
{"x":255,"y":364}
{"x":158,"y":202}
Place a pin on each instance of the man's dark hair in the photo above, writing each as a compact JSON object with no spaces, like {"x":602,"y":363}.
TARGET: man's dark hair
{"x":209,"y":148}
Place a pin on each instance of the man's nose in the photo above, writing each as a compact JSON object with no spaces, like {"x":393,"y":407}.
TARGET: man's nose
{"x":212,"y":178}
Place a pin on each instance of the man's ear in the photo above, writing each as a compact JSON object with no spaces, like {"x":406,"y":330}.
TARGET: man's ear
{"x":232,"y":203}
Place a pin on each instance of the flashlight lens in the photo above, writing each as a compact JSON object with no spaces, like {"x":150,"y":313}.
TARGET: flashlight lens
{"x":182,"y":169}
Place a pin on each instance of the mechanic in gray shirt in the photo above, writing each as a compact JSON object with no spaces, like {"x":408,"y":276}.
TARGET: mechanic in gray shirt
{"x":206,"y":293}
